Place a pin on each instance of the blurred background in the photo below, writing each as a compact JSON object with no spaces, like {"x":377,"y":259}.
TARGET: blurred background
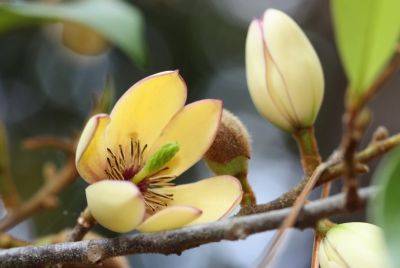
{"x":47,"y":89}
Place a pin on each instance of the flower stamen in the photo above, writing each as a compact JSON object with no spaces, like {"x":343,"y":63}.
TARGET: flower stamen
{"x":121,"y":168}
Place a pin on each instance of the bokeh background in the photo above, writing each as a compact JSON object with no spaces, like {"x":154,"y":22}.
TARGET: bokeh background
{"x":47,"y":89}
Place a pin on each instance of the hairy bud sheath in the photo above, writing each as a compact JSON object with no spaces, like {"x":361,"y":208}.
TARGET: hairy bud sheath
{"x":354,"y":244}
{"x":284,"y":75}
{"x":230,"y":152}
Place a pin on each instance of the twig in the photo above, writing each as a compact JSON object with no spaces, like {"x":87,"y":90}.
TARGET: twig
{"x":326,"y":189}
{"x":174,"y":242}
{"x":8,"y":241}
{"x":84,"y":223}
{"x":66,"y":145}
{"x":314,"y":256}
{"x":372,"y":151}
{"x":45,"y":198}
{"x":354,"y":125}
{"x":290,"y":220}
{"x":8,"y":190}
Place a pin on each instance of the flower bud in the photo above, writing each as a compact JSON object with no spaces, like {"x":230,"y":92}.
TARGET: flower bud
{"x":355,"y":244}
{"x":230,"y":152}
{"x":83,"y":40}
{"x":284,"y":75}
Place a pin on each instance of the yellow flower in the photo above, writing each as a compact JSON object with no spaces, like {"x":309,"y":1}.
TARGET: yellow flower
{"x":284,"y":75}
{"x":353,"y":244}
{"x":131,"y":157}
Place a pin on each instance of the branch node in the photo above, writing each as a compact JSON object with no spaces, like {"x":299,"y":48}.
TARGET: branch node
{"x":94,"y":253}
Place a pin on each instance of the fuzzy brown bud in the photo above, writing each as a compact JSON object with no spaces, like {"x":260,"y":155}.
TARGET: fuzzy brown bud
{"x":232,"y":140}
{"x":230,"y":152}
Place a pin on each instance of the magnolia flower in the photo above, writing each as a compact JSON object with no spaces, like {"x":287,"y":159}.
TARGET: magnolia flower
{"x":355,"y":245}
{"x":132,"y":156}
{"x":283,"y":71}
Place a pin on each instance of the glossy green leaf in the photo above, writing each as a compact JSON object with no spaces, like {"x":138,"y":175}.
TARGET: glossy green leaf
{"x":385,"y":209}
{"x":367,"y":32}
{"x":115,"y":20}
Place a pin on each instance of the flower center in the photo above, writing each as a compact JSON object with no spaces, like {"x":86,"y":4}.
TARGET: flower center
{"x":122,"y":166}
{"x":126,"y":163}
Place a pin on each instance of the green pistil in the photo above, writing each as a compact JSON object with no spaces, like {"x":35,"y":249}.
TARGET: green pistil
{"x":157,"y":161}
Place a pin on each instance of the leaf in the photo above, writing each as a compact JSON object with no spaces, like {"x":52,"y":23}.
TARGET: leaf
{"x":367,"y":33}
{"x":120,"y":23}
{"x":385,"y":210}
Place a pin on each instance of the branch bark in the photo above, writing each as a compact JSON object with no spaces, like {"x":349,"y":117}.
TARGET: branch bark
{"x":45,"y":198}
{"x":372,"y":151}
{"x":176,"y":241}
{"x":84,"y":223}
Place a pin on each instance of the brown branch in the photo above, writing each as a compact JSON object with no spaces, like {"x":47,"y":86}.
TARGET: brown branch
{"x":45,"y":198}
{"x":372,"y":151}
{"x":355,"y":120}
{"x":84,"y":223}
{"x":176,"y":241}
{"x":66,"y":145}
{"x":8,"y":190}
{"x":298,"y":204}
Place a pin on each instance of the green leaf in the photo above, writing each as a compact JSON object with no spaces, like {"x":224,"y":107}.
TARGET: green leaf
{"x":367,"y":33}
{"x":118,"y":22}
{"x":385,"y":209}
{"x":157,"y":161}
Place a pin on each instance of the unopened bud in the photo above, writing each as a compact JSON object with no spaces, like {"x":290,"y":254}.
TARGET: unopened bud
{"x":354,"y":244}
{"x":284,"y":74}
{"x":83,"y":40}
{"x":230,"y":152}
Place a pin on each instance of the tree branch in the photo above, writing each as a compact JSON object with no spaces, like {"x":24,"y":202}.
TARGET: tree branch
{"x":84,"y":223}
{"x":355,"y":120}
{"x":45,"y":198}
{"x":65,"y":145}
{"x":176,"y":241}
{"x":372,"y":151}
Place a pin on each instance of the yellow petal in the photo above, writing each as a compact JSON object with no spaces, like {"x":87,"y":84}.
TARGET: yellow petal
{"x":146,"y":108}
{"x":216,"y":197}
{"x":89,"y":159}
{"x":172,"y":217}
{"x":256,"y":78}
{"x":116,"y":205}
{"x":296,"y":66}
{"x":194,"y":129}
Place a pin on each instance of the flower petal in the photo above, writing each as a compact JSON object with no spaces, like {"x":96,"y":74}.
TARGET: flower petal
{"x":116,"y":205}
{"x":297,"y":62}
{"x":89,"y":159}
{"x":172,"y":217}
{"x":256,"y":74}
{"x":146,"y":108}
{"x":194,"y":129}
{"x":216,"y":197}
